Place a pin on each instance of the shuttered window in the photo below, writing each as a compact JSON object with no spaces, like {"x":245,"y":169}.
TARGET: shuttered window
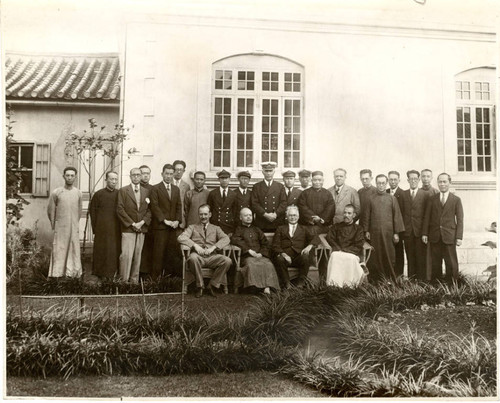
{"x":31,"y":161}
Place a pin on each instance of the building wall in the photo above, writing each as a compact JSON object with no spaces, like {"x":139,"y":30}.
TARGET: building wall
{"x":50,"y":125}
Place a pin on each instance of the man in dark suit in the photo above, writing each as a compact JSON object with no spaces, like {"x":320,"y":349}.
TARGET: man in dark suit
{"x":366,"y":192}
{"x":397,"y":192}
{"x":179,"y":169}
{"x":292,"y":243}
{"x":167,"y":215}
{"x":343,"y":195}
{"x":132,"y":208}
{"x":243,"y":194}
{"x":413,"y":210}
{"x":444,"y":228}
{"x":268,"y":200}
{"x":222,"y":202}
{"x":147,"y":249}
{"x":292,"y":193}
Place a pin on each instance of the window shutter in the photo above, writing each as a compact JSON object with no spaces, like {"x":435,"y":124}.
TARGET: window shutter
{"x":41,"y":175}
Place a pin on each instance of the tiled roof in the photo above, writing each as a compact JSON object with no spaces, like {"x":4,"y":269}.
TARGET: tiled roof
{"x":93,"y":77}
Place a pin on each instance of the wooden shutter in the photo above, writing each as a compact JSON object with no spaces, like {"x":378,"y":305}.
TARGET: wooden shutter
{"x":41,"y":171}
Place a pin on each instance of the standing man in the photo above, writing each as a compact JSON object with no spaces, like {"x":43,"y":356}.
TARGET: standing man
{"x":64,"y":211}
{"x":367,"y":191}
{"x":179,"y":169}
{"x":194,"y":198}
{"x":133,"y":212}
{"x":243,"y":194}
{"x":106,"y":229}
{"x":414,"y":202}
{"x":147,"y":249}
{"x":222,"y":202}
{"x":343,"y":195}
{"x":317,"y":208}
{"x":304,"y":179}
{"x":426,"y":177}
{"x":292,"y":194}
{"x":292,"y":244}
{"x":444,"y":229}
{"x":397,"y":192}
{"x":205,"y":240}
{"x":166,"y":207}
{"x":268,"y":200}
{"x":382,"y":222}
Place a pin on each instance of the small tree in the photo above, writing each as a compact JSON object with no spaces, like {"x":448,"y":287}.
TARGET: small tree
{"x":87,"y":145}
{"x":12,"y":177}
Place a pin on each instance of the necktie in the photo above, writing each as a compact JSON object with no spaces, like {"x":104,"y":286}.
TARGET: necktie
{"x":205,"y":230}
{"x":412,"y":194}
{"x":223,"y":195}
{"x":244,"y":192}
{"x":287,"y":192}
{"x":442,"y":199}
{"x":337,"y":191}
{"x":168,"y":189}
{"x":137,"y":196}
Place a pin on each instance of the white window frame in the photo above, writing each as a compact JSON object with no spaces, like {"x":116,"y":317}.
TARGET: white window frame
{"x":37,"y":167}
{"x":251,"y":62}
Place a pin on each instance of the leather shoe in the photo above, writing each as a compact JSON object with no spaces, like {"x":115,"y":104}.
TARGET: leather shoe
{"x":211,"y":290}
{"x":199,"y":292}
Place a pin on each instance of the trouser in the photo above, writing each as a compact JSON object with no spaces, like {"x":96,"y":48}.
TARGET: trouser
{"x":400,"y":257}
{"x":300,"y":261}
{"x":166,"y":254}
{"x":147,"y":254}
{"x":219,"y":263}
{"x":416,"y":254}
{"x":447,"y":252}
{"x":130,"y":258}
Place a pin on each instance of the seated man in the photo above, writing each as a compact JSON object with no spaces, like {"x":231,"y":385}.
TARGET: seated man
{"x":258,"y":271}
{"x":205,"y":240}
{"x":292,"y":243}
{"x":346,"y":239}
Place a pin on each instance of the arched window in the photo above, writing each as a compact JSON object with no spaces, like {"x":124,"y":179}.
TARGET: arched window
{"x":475,"y":99}
{"x":258,"y":114}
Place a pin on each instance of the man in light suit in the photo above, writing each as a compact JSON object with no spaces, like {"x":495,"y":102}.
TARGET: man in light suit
{"x":133,"y":212}
{"x":268,"y":200}
{"x":179,"y":169}
{"x":397,"y":192}
{"x":205,"y":240}
{"x":292,"y":193}
{"x":443,"y":228}
{"x":413,"y":210}
{"x":343,"y":195}
{"x":167,"y":215}
{"x":292,"y":244}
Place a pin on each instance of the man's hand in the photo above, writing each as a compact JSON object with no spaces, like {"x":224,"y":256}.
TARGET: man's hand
{"x":199,"y":250}
{"x":270,"y":216}
{"x":458,"y":242}
{"x":251,"y":252}
{"x":168,"y":223}
{"x":424,"y":239}
{"x":395,"y":238}
{"x":306,"y":250}
{"x":175,"y":224}
{"x":210,"y":250}
{"x":367,"y":235}
{"x":286,"y":257}
{"x":316,"y":219}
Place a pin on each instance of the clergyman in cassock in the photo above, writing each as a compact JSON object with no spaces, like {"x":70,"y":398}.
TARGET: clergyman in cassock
{"x":382,"y":222}
{"x":64,"y":211}
{"x":258,"y":271}
{"x":268,"y":200}
{"x":346,"y":240}
{"x":106,"y":229}
{"x":205,"y":241}
{"x":367,"y":191}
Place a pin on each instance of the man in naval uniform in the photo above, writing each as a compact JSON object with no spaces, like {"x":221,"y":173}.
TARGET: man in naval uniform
{"x":222,"y":204}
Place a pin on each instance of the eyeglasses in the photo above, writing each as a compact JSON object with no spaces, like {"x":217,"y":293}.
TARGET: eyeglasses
{"x":135,"y":174}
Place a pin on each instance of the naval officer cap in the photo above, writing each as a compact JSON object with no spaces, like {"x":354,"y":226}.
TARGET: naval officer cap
{"x":304,"y":173}
{"x":244,"y":173}
{"x":223,"y":174}
{"x":288,"y":174}
{"x":268,"y":165}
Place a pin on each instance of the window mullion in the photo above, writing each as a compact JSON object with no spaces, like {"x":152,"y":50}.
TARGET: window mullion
{"x":473,"y":135}
{"x":258,"y":132}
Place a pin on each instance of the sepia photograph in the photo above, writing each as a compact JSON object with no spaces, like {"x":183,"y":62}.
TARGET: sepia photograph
{"x":250,"y":199}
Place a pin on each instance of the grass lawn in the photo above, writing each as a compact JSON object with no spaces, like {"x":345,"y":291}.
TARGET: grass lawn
{"x":246,"y":384}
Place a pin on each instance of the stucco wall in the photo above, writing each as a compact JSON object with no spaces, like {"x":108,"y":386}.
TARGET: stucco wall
{"x":50,"y":125}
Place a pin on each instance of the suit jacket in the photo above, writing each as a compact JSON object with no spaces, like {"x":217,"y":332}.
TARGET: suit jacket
{"x":127,"y":211}
{"x":268,"y":200}
{"x":303,"y":236}
{"x":413,"y":212}
{"x":164,"y":207}
{"x":241,"y":202}
{"x":223,"y":212}
{"x":194,"y":234}
{"x":399,"y":197}
{"x":293,"y":196}
{"x":348,"y":195}
{"x":444,"y":222}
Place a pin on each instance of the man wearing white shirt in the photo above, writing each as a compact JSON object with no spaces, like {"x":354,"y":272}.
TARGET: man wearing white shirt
{"x":292,"y":193}
{"x":179,"y":169}
{"x":243,"y":194}
{"x":222,"y":202}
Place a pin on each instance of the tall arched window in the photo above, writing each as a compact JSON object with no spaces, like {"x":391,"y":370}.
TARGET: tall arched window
{"x":258,"y":114}
{"x":475,"y":99}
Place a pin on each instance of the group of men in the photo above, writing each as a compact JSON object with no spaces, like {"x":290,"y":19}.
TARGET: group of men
{"x":140,"y":227}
